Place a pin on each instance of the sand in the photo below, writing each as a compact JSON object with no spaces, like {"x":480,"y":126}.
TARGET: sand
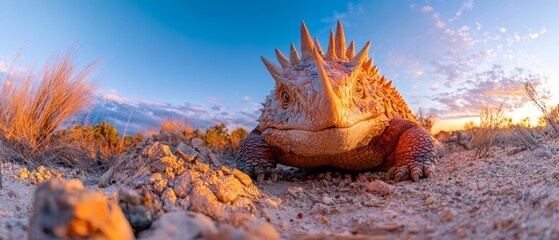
{"x":511,"y":194}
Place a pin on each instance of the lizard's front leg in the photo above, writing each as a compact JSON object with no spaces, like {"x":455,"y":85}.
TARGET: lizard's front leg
{"x":415,"y":153}
{"x":255,"y":157}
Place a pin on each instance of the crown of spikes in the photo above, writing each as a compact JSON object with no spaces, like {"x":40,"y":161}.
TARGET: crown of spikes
{"x":312,"y":51}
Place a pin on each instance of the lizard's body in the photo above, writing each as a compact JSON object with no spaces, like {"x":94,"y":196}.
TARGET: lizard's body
{"x":333,"y":109}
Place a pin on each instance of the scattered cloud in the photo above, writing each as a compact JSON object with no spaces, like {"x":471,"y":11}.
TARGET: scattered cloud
{"x":353,"y":10}
{"x":3,"y":67}
{"x":502,"y":29}
{"x":488,"y":88}
{"x":7,"y":69}
{"x":435,"y":86}
{"x":426,"y":9}
{"x":145,"y":115}
{"x":466,"y":5}
{"x":478,"y":25}
{"x":246,"y":99}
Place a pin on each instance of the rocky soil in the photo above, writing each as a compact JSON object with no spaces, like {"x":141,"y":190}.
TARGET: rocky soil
{"x":170,"y":186}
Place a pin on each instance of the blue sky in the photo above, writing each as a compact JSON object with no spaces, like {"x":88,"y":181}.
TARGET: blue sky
{"x":449,"y":57}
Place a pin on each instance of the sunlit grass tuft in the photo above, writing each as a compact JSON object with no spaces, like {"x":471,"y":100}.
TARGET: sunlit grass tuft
{"x":34,"y":106}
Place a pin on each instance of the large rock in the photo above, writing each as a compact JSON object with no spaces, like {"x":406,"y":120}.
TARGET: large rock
{"x":65,"y":210}
{"x":182,"y":174}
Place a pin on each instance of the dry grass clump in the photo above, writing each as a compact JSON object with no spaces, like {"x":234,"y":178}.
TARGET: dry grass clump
{"x":540,"y":99}
{"x":492,"y":120}
{"x":177,"y":124}
{"x":33,"y":107}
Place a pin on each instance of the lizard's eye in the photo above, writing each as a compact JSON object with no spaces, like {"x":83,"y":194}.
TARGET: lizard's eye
{"x":284,"y":98}
{"x":359,"y":88}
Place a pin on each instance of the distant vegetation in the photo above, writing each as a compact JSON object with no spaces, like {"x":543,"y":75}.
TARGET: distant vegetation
{"x":425,"y":120}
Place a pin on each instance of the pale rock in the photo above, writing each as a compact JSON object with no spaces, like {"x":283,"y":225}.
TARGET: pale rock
{"x":65,"y":210}
{"x":181,"y":225}
{"x":379,"y":187}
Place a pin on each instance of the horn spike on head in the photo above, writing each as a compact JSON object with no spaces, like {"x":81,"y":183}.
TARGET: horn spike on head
{"x":284,"y":62}
{"x":293,"y":56}
{"x":307,"y":47}
{"x":340,"y":40}
{"x":361,"y":55}
{"x":350,"y":50}
{"x":274,"y":69}
{"x":318,"y":47}
{"x":323,"y":77}
{"x":331,"y":51}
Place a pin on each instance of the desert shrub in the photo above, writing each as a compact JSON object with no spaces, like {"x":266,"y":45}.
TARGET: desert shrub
{"x":540,"y":99}
{"x":96,"y":146}
{"x":492,"y":119}
{"x":33,"y":107}
{"x":106,"y":134}
{"x":236,"y":136}
{"x":132,"y":141}
{"x":177,"y":124}
{"x":425,"y":120}
{"x":217,"y":138}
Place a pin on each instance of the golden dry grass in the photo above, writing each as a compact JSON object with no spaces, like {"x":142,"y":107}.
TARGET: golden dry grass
{"x":492,"y":120}
{"x":34,"y":106}
{"x":177,"y":124}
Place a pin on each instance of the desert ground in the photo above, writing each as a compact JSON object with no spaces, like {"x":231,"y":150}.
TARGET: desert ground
{"x":513,"y":194}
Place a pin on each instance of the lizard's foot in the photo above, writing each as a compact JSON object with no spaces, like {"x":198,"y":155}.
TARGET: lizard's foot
{"x":414,"y":156}
{"x":255,"y":158}
{"x":259,"y":168}
{"x":415,"y":170}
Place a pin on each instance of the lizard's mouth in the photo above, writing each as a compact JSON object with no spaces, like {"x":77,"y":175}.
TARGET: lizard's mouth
{"x":327,"y":141}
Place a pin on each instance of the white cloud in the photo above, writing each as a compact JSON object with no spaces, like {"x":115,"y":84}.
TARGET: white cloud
{"x":427,"y":9}
{"x":439,"y":24}
{"x":3,"y":67}
{"x":246,"y":98}
{"x":435,"y":86}
{"x":478,"y":26}
{"x":466,"y":5}
{"x":502,"y":29}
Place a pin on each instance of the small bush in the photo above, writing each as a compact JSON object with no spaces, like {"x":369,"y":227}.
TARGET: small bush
{"x":236,"y":136}
{"x":490,"y":128}
{"x":425,"y":120}
{"x":34,"y":107}
{"x":217,"y":138}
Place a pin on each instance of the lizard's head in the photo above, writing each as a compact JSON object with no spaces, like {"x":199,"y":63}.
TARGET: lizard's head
{"x":323,"y":103}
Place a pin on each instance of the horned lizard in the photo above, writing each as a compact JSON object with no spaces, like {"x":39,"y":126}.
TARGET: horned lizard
{"x":333,"y":109}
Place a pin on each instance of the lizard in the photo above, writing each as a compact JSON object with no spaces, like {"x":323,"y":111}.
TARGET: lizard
{"x":333,"y":109}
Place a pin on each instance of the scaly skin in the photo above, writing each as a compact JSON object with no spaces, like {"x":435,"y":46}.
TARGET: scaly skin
{"x":334,"y":110}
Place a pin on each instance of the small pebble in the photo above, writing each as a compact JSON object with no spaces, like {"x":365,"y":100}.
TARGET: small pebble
{"x":431,"y":201}
{"x":472,"y":186}
{"x":379,"y":187}
{"x":327,"y":200}
{"x":448,"y":215}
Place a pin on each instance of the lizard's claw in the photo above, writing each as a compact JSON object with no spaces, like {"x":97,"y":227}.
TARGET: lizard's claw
{"x":416,"y":171}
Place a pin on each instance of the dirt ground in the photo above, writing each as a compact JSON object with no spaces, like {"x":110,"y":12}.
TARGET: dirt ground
{"x":510,"y":195}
